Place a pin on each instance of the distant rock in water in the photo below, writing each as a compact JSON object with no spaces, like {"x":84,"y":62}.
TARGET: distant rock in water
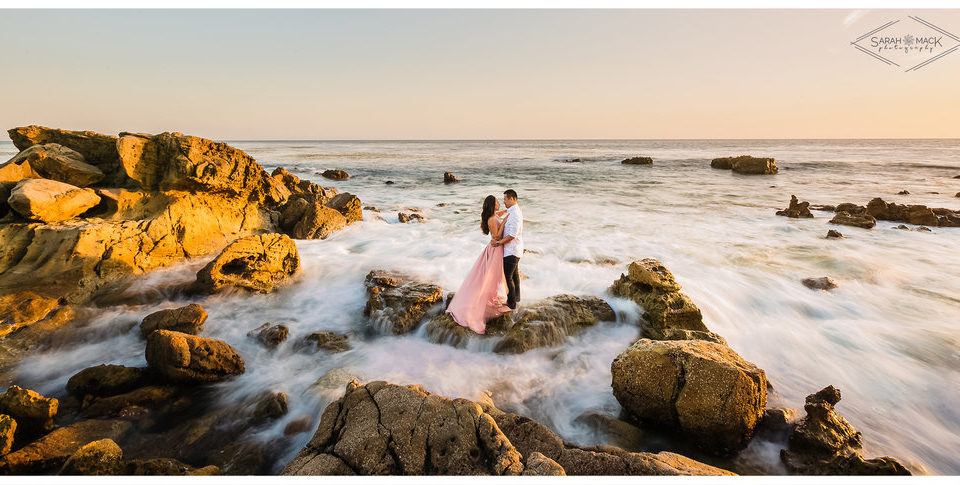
{"x":50,"y":201}
{"x":833,"y":234}
{"x":412,"y":217}
{"x":745,"y":164}
{"x":638,"y":161}
{"x":449,"y":178}
{"x":389,"y":182}
{"x":824,"y":443}
{"x":879,"y":209}
{"x":704,"y":389}
{"x":187,"y":358}
{"x":862,"y":220}
{"x":821,"y":283}
{"x":335,"y":174}
{"x":903,"y":192}
{"x":398,"y":302}
{"x":796,"y":209}
{"x":254,"y":263}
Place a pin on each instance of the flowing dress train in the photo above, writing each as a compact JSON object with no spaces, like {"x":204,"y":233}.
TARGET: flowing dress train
{"x":481,"y":297}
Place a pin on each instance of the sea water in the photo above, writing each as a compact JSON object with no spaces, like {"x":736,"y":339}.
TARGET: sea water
{"x":888,"y":337}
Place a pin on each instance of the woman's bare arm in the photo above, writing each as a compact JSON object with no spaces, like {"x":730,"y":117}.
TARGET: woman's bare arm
{"x":496,"y":227}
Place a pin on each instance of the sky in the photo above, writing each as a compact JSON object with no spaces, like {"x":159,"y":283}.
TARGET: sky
{"x":471,"y":74}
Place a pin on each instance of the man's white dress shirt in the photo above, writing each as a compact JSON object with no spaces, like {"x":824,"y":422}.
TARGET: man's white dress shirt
{"x":514,"y":227}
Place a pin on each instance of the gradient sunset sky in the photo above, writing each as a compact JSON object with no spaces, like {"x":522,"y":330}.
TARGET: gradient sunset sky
{"x":471,"y":74}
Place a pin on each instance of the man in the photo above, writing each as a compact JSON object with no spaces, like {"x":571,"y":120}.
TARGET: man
{"x":512,"y":242}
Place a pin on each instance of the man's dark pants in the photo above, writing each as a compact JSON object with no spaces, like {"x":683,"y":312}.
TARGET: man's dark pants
{"x":512,"y":274}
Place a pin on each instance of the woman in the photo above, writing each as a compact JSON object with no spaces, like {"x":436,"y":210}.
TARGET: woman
{"x":481,"y":296}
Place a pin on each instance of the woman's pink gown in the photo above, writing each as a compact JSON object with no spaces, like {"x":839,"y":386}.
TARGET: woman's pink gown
{"x":481,"y":296}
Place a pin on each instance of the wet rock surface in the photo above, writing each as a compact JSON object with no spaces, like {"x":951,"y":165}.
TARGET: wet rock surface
{"x":327,"y":341}
{"x":549,"y":321}
{"x":652,"y":286}
{"x":398,"y":302}
{"x":270,"y":336}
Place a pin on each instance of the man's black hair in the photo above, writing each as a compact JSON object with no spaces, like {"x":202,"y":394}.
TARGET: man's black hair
{"x":510,"y":193}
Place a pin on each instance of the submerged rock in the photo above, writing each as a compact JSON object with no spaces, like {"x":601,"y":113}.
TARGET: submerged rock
{"x":638,"y":161}
{"x":57,"y":162}
{"x":548,"y":322}
{"x":270,"y":336}
{"x":329,"y":341}
{"x":335,"y":174}
{"x":449,"y":178}
{"x":51,"y":451}
{"x":270,"y":406}
{"x":862,"y":220}
{"x":190,"y":359}
{"x":796,"y":209}
{"x":821,"y":283}
{"x":107,"y":380}
{"x":50,"y":201}
{"x":824,"y":443}
{"x":255,"y":263}
{"x":704,"y":389}
{"x":398,"y":302}
{"x":33,"y":412}
{"x":383,"y":429}
{"x":186,"y":319}
{"x":652,"y":286}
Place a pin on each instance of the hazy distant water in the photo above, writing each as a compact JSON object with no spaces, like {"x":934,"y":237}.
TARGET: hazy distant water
{"x":888,"y":337}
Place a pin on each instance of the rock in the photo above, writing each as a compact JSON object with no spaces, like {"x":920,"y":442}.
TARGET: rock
{"x":832,"y":234}
{"x":681,"y":334}
{"x":50,"y":201}
{"x":824,"y":443}
{"x":271,"y":336}
{"x":903,"y":192}
{"x":405,"y":218}
{"x":796,"y":209}
{"x":348,"y":205}
{"x":865,"y":221}
{"x":308,"y":218}
{"x":270,"y":406}
{"x":958,"y":194}
{"x":704,"y":389}
{"x":18,"y":310}
{"x":653,"y":287}
{"x":57,"y":162}
{"x":638,"y":161}
{"x":302,"y":188}
{"x":924,"y":229}
{"x":746,"y":165}
{"x":614,"y":431}
{"x":8,"y":428}
{"x":389,"y":182}
{"x":384,"y":429}
{"x":297,"y":426}
{"x":530,"y":437}
{"x":165,"y":467}
{"x":135,"y":405}
{"x":549,"y":321}
{"x":34,"y":413}
{"x":186,"y":319}
{"x":396,"y":302}
{"x":776,"y":424}
{"x":538,"y":465}
{"x":255,"y":263}
{"x":335,"y":174}
{"x":851,"y":208}
{"x":52,"y":450}
{"x":187,"y":358}
{"x":107,"y":380}
{"x":821,"y":283}
{"x":822,"y":207}
{"x":329,"y":341}
{"x":101,"y":457}
{"x":449,"y":178}
{"x":97,"y":150}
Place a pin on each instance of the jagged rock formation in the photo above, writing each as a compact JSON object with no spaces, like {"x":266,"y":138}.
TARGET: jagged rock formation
{"x":796,"y":209}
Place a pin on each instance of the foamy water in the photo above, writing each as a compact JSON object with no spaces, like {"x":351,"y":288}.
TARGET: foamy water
{"x":888,"y":337}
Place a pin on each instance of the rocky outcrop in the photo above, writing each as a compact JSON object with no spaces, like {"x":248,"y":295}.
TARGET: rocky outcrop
{"x":397,"y":302}
{"x":335,"y":174}
{"x":796,"y":209}
{"x":50,"y":201}
{"x":55,"y":162}
{"x":107,"y":380}
{"x":348,"y":205}
{"x":190,"y":359}
{"x":254,"y":263}
{"x":549,"y":321}
{"x":652,"y":286}
{"x":18,"y":310}
{"x":449,"y":178}
{"x":747,"y":165}
{"x":270,"y":336}
{"x":309,"y":218}
{"x":861,"y":220}
{"x":33,"y":412}
{"x":8,"y":428}
{"x":51,"y":451}
{"x":821,"y":283}
{"x":705,"y":390}
{"x":824,"y":443}
{"x":97,"y":149}
{"x":383,"y":429}
{"x":186,"y":319}
{"x":638,"y":161}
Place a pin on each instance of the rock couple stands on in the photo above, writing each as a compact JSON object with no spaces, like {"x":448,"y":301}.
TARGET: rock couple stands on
{"x":119,"y":206}
{"x":745,"y":164}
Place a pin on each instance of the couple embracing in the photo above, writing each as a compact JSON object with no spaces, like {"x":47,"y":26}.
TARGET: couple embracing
{"x":481,"y":296}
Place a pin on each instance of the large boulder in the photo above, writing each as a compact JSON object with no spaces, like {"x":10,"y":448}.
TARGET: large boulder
{"x":397,"y":302}
{"x":97,"y":149}
{"x":796,"y":209}
{"x":384,"y":429}
{"x":824,"y":443}
{"x":704,"y":389}
{"x":107,"y":380}
{"x":34,"y":413}
{"x":18,"y":310}
{"x":348,"y":205}
{"x":187,"y":358}
{"x":652,"y":286}
{"x":50,"y":201}
{"x":186,"y":319}
{"x":254,"y":263}
{"x":51,"y":451}
{"x":57,"y":162}
{"x":549,"y":321}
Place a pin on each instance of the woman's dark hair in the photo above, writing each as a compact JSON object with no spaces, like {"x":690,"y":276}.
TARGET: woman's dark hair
{"x":488,"y":207}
